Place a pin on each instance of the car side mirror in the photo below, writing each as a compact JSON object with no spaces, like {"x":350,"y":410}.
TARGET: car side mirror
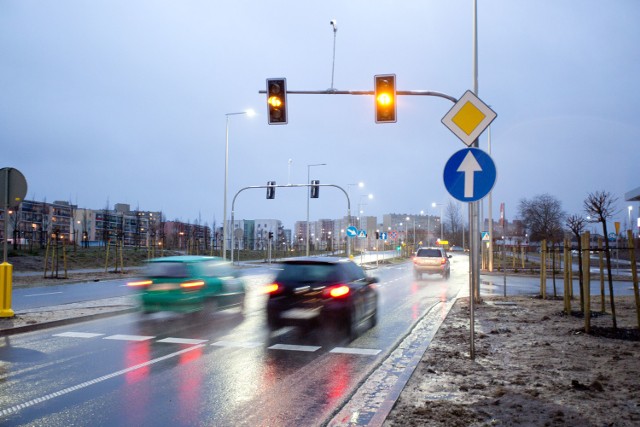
{"x":449,"y":256}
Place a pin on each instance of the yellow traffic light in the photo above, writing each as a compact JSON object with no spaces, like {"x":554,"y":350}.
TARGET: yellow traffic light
{"x":385,"y":96}
{"x":277,"y":101}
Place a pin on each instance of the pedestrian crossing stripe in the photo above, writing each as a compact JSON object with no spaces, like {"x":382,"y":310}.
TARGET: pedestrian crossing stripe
{"x":181,"y":341}
{"x":129,"y":337}
{"x":221,"y":343}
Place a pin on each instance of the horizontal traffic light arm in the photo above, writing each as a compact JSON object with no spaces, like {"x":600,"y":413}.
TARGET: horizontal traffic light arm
{"x":233,"y":203}
{"x":369,"y":92}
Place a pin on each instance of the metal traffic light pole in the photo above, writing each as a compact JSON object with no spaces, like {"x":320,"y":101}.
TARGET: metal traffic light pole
{"x":368,"y":92}
{"x":233,"y":204}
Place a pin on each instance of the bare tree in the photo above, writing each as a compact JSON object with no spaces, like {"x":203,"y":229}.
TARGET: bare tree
{"x":543,"y":216}
{"x":576,"y":224}
{"x":600,"y":206}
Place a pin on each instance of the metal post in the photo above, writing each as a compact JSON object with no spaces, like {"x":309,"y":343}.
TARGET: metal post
{"x":308,"y":197}
{"x":226,"y":176}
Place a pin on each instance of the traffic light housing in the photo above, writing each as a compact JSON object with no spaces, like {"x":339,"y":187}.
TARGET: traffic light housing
{"x":277,"y":101}
{"x":271,"y":190}
{"x":315,"y":188}
{"x":385,"y":98}
{"x":270,"y":235}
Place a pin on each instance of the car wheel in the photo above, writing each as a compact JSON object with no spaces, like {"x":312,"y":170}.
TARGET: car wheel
{"x":352,"y":324}
{"x":373,"y":320}
{"x":273,"y":322}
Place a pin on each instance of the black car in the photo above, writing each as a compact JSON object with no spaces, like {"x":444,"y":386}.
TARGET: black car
{"x":325,"y":291}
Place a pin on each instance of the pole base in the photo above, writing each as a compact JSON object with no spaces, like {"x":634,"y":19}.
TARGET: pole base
{"x":7,"y":313}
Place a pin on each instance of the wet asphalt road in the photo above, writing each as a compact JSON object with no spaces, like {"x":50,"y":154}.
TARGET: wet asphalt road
{"x":222,"y":368}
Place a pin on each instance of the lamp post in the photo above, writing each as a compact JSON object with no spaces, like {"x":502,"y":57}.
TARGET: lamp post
{"x":361,"y":212}
{"x":226,"y":176}
{"x":434,"y":204}
{"x":309,"y":196}
{"x":630,"y":226}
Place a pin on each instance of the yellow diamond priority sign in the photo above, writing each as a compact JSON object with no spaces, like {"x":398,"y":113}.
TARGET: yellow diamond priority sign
{"x":469,"y":117}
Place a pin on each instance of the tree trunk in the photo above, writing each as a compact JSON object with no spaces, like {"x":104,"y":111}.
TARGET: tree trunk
{"x":608,"y":254}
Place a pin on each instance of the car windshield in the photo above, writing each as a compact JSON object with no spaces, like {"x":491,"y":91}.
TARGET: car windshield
{"x":307,"y":273}
{"x":429,"y":252}
{"x":167,"y":269}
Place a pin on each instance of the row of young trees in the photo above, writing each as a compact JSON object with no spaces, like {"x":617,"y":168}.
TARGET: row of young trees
{"x":544,"y":218}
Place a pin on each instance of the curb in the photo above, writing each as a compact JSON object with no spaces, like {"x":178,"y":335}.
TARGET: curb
{"x":62,"y":322}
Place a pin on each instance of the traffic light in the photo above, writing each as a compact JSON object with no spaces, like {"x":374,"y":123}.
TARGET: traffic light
{"x":277,"y":101}
{"x":270,"y":235}
{"x":271,"y":190}
{"x":315,"y":188}
{"x":385,"y":98}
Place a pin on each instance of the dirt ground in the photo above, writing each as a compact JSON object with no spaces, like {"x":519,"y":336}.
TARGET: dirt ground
{"x":534,"y":366}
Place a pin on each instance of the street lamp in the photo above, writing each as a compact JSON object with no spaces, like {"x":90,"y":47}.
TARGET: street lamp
{"x":309,"y":196}
{"x":249,"y":113}
{"x":434,"y":204}
{"x":414,"y":229}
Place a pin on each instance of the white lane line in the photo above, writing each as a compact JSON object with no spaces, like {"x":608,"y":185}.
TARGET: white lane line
{"x":128,"y":337}
{"x":308,"y":348}
{"x":77,"y":335}
{"x":231,"y":344}
{"x":85,"y":384}
{"x":172,"y":340}
{"x":358,"y":351}
{"x":39,"y":295}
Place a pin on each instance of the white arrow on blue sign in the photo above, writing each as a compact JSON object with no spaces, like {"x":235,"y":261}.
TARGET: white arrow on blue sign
{"x":469,"y":174}
{"x":352,"y":231}
{"x":383,"y":236}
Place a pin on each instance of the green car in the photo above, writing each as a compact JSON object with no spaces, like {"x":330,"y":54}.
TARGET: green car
{"x":187,"y":284}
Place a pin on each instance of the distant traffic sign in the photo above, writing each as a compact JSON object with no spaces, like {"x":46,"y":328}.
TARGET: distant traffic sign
{"x":362,"y":233}
{"x":469,"y":174}
{"x":485,"y":236}
{"x":352,"y":231}
{"x":383,"y":236}
{"x":469,"y":117}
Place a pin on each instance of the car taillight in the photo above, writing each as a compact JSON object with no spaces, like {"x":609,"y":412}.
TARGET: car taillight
{"x":192,"y":284}
{"x":443,"y":260}
{"x":337,"y":291}
{"x":272,"y":288}
{"x":140,"y":284}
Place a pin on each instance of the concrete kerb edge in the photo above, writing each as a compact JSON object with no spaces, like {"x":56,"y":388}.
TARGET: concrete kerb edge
{"x":62,"y":322}
{"x":394,"y":392}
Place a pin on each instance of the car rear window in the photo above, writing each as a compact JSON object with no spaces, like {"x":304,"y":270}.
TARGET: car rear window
{"x":167,"y":269}
{"x":295,"y":274}
{"x":435,"y":253}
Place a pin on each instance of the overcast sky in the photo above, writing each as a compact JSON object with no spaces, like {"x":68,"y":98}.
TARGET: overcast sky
{"x":125,"y":101}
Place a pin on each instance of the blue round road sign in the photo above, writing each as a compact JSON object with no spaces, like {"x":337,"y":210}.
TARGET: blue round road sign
{"x":469,"y":174}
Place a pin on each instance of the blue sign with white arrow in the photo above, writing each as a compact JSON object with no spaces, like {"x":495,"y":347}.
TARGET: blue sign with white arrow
{"x":469,"y":174}
{"x":352,"y":231}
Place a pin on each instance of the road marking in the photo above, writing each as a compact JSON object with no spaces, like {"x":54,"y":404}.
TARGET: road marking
{"x":85,"y":384}
{"x":224,"y":343}
{"x":172,"y":340}
{"x":308,"y":348}
{"x":232,"y":344}
{"x":359,"y":351}
{"x":128,"y":337}
{"x":77,"y":335}
{"x":39,"y":295}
